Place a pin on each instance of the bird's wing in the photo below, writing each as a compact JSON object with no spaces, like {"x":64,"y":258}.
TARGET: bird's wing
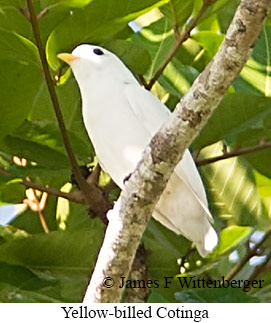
{"x":152,"y":114}
{"x":150,"y":111}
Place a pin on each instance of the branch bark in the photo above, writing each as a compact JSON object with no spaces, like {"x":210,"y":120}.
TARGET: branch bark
{"x":131,"y":213}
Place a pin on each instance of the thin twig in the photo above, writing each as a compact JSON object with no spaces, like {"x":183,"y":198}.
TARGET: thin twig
{"x":41,"y":204}
{"x":76,"y":196}
{"x":259,"y":269}
{"x":251,"y":253}
{"x":234,"y":153}
{"x":93,"y":178}
{"x":51,"y":87}
{"x":143,"y":81}
{"x":184,"y":35}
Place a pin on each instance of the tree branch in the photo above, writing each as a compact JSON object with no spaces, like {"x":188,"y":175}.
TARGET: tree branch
{"x":238,"y":151}
{"x":138,"y":273}
{"x":251,"y":253}
{"x":181,"y":38}
{"x":131,"y":213}
{"x":87,"y":190}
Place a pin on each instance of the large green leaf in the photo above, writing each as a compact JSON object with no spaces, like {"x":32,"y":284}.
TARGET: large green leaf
{"x":65,"y":258}
{"x":36,"y":152}
{"x":178,"y":11}
{"x":225,"y":15}
{"x":210,"y":41}
{"x":163,"y":248}
{"x":259,"y":159}
{"x":15,"y":3}
{"x":230,"y":237}
{"x":232,"y":190}
{"x":19,"y":84}
{"x":133,"y":55}
{"x":42,"y":4}
{"x":218,"y":11}
{"x":70,"y":103}
{"x":11,"y":294}
{"x":12,"y":193}
{"x":216,"y":295}
{"x":94,"y":23}
{"x":17,"y":48}
{"x":11,"y":19}
{"x":8,"y":232}
{"x":47,"y":134}
{"x":256,"y":75}
{"x":158,"y":39}
{"x":236,"y":113}
{"x":264,"y":187}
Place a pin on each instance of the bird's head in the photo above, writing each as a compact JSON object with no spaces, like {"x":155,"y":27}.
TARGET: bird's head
{"x":88,"y":60}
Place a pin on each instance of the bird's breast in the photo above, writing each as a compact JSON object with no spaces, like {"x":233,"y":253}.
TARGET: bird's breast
{"x":116,"y":134}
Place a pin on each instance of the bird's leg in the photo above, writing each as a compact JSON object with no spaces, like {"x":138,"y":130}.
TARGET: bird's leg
{"x":126,"y":178}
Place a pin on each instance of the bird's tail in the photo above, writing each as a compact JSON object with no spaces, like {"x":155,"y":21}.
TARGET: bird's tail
{"x":208,"y":243}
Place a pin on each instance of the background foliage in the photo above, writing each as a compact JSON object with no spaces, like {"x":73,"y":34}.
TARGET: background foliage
{"x":36,"y":266}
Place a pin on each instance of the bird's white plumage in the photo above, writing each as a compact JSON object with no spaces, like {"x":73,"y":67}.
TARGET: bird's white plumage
{"x":121,"y":117}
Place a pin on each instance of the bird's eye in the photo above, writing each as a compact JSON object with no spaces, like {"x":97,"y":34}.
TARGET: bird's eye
{"x":98,"y":51}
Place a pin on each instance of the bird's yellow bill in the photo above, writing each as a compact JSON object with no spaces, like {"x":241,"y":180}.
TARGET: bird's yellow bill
{"x":67,"y":58}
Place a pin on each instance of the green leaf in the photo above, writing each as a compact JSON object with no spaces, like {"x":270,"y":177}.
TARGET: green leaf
{"x":264,"y":293}
{"x":158,"y":39}
{"x":209,"y":40}
{"x":236,"y":113}
{"x":12,"y":294}
{"x":255,"y":77}
{"x":225,"y":15}
{"x":8,"y":232}
{"x":258,"y":159}
{"x":70,"y":103}
{"x":12,"y":277}
{"x":47,"y":134}
{"x":11,"y":19}
{"x":223,"y":9}
{"x":178,"y":11}
{"x":232,"y":190}
{"x":178,"y":78}
{"x":215,"y":295}
{"x":15,"y":3}
{"x":66,"y":3}
{"x":42,"y":4}
{"x":94,"y":23}
{"x":19,"y":85}
{"x":64,"y":258}
{"x":156,"y":298}
{"x":163,"y":248}
{"x":229,"y":238}
{"x":134,"y":56}
{"x":263,"y":184}
{"x":36,"y":152}
{"x":12,"y":193}
{"x":17,"y":48}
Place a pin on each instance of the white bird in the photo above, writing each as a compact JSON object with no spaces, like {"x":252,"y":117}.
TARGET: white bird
{"x":121,"y":117}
